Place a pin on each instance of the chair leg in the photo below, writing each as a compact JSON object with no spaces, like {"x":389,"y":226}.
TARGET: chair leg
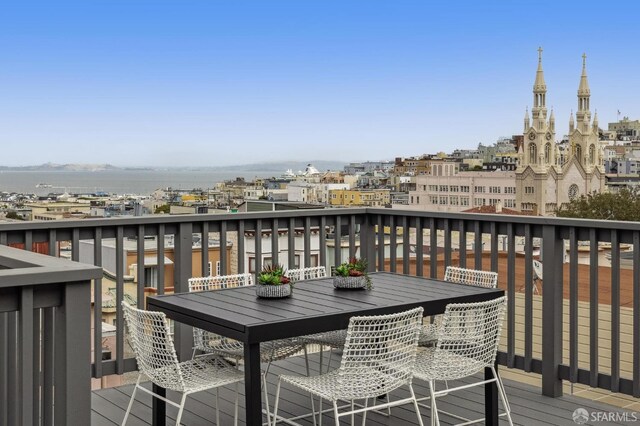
{"x":335,"y":412}
{"x":266,"y":397}
{"x":275,"y":407}
{"x":133,"y":395}
{"x":217,"y":407}
{"x":435,"y":421}
{"x":364,"y":413}
{"x":503,"y":395}
{"x":181,"y":409}
{"x":235,"y":412}
{"x":415,"y":404}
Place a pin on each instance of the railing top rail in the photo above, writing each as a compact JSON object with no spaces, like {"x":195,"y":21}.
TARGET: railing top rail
{"x":173,"y":219}
{"x":232,"y":217}
{"x":21,"y":267}
{"x":518,"y":219}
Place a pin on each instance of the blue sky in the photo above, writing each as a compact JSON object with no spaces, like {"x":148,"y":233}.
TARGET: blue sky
{"x":131,"y":82}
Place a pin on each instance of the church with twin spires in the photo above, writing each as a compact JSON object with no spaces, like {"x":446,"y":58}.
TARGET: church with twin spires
{"x":545,"y":179}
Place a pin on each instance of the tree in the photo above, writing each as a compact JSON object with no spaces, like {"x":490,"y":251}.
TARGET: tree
{"x":623,"y":205}
{"x":13,"y":215}
{"x":163,"y":209}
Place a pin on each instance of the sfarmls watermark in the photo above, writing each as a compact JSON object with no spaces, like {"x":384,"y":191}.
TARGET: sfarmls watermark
{"x":582,"y":416}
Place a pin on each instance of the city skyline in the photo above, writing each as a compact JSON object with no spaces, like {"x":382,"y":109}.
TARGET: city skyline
{"x":161,"y":84}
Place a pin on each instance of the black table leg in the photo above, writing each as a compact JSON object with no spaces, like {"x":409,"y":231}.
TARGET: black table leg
{"x":159,"y":406}
{"x":490,"y":398}
{"x":252,"y":384}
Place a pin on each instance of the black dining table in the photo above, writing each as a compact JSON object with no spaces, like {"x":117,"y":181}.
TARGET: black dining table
{"x":315,"y":306}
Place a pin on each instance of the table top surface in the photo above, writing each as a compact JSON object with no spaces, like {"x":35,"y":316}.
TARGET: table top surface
{"x":315,"y":305}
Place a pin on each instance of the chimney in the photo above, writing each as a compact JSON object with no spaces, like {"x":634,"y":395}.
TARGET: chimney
{"x":499,"y":207}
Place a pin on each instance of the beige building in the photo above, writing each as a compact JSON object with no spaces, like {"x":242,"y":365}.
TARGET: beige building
{"x":544,"y":179}
{"x":58,"y":211}
{"x":449,"y":190}
{"x":359,"y":197}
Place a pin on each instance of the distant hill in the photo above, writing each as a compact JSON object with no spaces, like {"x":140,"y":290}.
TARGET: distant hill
{"x":278,"y":167}
{"x":51,"y":167}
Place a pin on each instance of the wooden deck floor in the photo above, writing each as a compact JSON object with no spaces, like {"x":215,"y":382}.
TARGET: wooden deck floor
{"x":529,"y":407}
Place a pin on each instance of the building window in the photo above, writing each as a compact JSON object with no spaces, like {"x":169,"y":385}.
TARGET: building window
{"x":443,"y":200}
{"x":453,"y":200}
{"x":478,"y":189}
{"x":454,"y":188}
{"x":444,"y":188}
{"x":529,"y":190}
{"x":464,"y":188}
{"x":464,"y":201}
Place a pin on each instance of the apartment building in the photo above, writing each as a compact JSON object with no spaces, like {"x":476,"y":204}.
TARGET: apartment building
{"x":359,"y":197}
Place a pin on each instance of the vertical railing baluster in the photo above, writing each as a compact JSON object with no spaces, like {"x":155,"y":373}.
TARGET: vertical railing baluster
{"x":433,"y":248}
{"x":53,"y":244}
{"x":97,"y":305}
{"x":368,"y":241}
{"x":447,"y":243}
{"x":28,"y":241}
{"x":615,"y":311}
{"x":323,"y":241}
{"x":275,"y":258}
{"x":140,"y":270}
{"x":13,"y":379}
{"x":493,"y":234}
{"x":183,"y":267}
{"x":204,"y":252}
{"x":36,"y":369}
{"x":406,"y":230}
{"x":552,"y":303}
{"x":337,"y":243}
{"x":4,"y":370}
{"x":48,"y":337}
{"x":224,"y":257}
{"x":393,"y":247}
{"x":573,"y":305}
{"x":528,"y":298}
{"x":477,"y":236}
{"x":511,"y":292}
{"x":381,"y":243}
{"x":419,"y":247}
{"x":257,"y":249}
{"x":160,"y":262}
{"x":291,"y":243}
{"x":307,"y":241}
{"x":593,"y":314}
{"x":26,"y":356}
{"x":241,"y":265}
{"x":352,"y":236}
{"x":119,"y":298}
{"x":462,"y":244}
{"x":636,"y":314}
{"x":75,"y":245}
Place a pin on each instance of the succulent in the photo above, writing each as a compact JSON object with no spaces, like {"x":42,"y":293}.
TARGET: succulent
{"x":274,"y":275}
{"x":354,"y":267}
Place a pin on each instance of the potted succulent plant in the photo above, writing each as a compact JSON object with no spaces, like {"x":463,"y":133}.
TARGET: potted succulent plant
{"x":352,"y":274}
{"x":273,"y":282}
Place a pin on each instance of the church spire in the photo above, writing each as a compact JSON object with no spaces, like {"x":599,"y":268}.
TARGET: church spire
{"x":539,"y":110}
{"x":526,"y":120}
{"x":583,"y":116}
{"x":571,"y":122}
{"x":583,"y":89}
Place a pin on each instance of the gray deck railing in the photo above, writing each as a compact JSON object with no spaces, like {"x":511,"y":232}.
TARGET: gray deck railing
{"x":395,"y":240}
{"x":44,"y":339}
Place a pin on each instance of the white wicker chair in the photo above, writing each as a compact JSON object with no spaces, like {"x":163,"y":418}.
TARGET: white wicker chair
{"x":379,"y":357}
{"x":309,"y":273}
{"x":453,"y":274}
{"x":213,"y":344}
{"x":332,"y":339}
{"x":151,"y":342}
{"x":468,"y":342}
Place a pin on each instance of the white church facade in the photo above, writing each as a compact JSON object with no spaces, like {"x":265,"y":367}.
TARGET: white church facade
{"x":545,"y":180}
